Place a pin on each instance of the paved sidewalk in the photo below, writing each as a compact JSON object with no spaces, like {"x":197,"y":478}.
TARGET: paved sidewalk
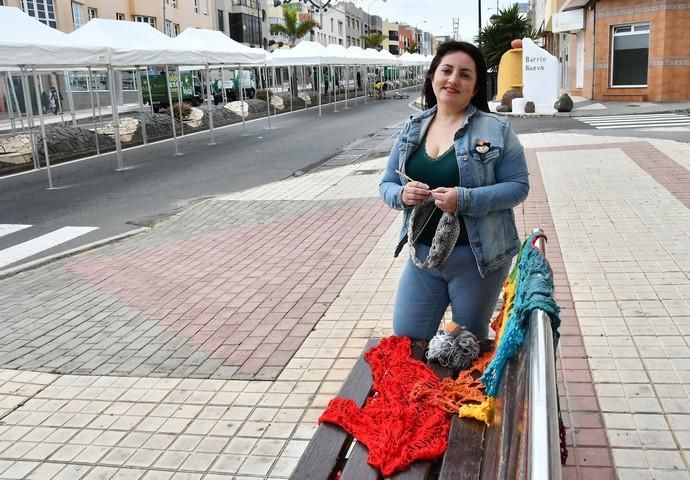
{"x":208,"y":347}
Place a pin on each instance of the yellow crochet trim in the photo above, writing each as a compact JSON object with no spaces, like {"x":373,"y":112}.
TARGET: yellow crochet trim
{"x":483,"y":412}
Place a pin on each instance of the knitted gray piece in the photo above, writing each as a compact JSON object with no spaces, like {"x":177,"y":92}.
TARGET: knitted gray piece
{"x":454,"y":351}
{"x":447,"y":233}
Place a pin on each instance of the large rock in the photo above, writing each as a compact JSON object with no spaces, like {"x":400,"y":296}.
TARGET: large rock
{"x":158,"y":126}
{"x":65,"y":142}
{"x":564,"y":103}
{"x":221,"y":116}
{"x":529,"y":107}
{"x":257,"y":108}
{"x":286,"y":98}
{"x":507,"y":100}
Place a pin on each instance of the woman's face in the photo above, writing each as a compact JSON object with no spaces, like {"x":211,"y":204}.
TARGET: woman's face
{"x":455,"y":81}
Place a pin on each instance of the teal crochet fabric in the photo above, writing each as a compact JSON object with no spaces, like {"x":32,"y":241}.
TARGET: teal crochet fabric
{"x":534,"y":291}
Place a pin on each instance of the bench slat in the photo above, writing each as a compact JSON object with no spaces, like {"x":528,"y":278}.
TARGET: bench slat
{"x":463,"y":459}
{"x":329,"y":444}
{"x":357,"y":467}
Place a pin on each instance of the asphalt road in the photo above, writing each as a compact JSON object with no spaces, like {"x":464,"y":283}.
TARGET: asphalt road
{"x":156,"y":183}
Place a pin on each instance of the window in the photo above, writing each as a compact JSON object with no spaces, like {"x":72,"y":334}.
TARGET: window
{"x":348,"y":22}
{"x":144,"y":19}
{"x":393,"y":35}
{"x":129,"y":81}
{"x":79,"y":81}
{"x":172,"y":3}
{"x":119,"y":16}
{"x":41,"y":10}
{"x":204,"y":7}
{"x":331,"y":24}
{"x":77,"y":14}
{"x":172,"y":29}
{"x":630,"y":55}
{"x":245,"y":28}
{"x":221,"y":21}
{"x":357,"y":22}
{"x":340,"y":27}
{"x":93,"y":13}
{"x":196,"y":6}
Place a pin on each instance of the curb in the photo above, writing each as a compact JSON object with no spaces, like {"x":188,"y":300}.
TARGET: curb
{"x":68,"y":253}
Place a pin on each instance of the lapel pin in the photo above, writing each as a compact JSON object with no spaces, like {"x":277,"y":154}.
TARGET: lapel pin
{"x":482,"y":146}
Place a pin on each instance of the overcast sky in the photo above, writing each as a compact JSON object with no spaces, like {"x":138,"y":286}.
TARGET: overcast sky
{"x":437,"y":13}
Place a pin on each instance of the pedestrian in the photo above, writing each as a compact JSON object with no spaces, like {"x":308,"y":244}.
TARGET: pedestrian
{"x":54,"y":101}
{"x":456,"y":171}
{"x":359,"y":80}
{"x":325,"y":80}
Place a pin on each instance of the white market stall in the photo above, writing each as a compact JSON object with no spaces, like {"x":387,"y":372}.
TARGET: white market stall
{"x":134,"y":44}
{"x":220,"y":49}
{"x":28,"y":44}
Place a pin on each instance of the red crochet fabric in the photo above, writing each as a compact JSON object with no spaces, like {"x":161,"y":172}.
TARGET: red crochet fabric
{"x":396,"y":428}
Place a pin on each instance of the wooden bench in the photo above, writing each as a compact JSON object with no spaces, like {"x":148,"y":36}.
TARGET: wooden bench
{"x":474,"y":451}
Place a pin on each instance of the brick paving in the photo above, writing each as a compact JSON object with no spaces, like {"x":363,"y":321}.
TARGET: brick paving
{"x":617,"y":222}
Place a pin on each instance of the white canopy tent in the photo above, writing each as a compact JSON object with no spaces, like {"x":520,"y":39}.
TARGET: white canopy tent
{"x":136,"y":44}
{"x":27,"y":43}
{"x":218,"y":48}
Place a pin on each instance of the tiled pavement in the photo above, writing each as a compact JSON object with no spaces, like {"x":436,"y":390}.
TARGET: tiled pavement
{"x":101,"y":350}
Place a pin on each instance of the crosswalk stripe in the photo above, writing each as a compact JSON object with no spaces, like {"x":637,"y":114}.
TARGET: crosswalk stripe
{"x":39,"y":244}
{"x":623,"y":117}
{"x":7,"y":228}
{"x":636,"y":121}
{"x":646,"y":125}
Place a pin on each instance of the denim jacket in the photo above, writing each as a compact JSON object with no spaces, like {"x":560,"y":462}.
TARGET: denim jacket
{"x":491,"y":183}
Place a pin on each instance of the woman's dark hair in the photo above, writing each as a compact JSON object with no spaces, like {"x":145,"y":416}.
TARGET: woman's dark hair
{"x":479,"y":99}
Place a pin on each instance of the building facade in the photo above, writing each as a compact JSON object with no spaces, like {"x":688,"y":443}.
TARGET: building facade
{"x":168,"y":16}
{"x":245,"y":21}
{"x":621,"y":50}
{"x":406,"y":38}
{"x":392,"y":41}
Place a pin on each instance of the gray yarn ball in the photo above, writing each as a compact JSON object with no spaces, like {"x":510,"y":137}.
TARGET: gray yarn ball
{"x":454,"y":351}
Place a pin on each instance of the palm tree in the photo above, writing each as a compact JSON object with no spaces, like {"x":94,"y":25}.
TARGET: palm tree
{"x":412,"y":48}
{"x":494,"y":40}
{"x":373,"y":40}
{"x":292,"y":29}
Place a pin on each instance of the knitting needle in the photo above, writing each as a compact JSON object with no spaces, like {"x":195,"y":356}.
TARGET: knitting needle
{"x":403,"y":175}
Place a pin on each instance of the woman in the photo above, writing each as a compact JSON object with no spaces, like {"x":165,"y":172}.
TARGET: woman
{"x":457,"y":171}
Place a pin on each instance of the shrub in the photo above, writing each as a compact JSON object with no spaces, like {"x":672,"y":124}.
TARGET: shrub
{"x":185,"y":107}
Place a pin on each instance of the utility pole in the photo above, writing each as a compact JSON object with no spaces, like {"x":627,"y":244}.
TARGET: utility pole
{"x":480,"y":17}
{"x":456,"y":28}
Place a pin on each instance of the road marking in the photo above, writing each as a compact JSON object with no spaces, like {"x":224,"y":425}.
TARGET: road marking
{"x":36,"y":245}
{"x":636,"y":121}
{"x":7,"y":228}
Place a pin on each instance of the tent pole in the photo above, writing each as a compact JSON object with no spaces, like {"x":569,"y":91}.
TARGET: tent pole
{"x":142,"y":119}
{"x":366,"y":79}
{"x":70,"y":98}
{"x":268,"y":98}
{"x":347,"y":85}
{"x":9,"y":103}
{"x":179,"y":100}
{"x":334,"y":90}
{"x":89,"y":82}
{"x":210,"y":108}
{"x":171,"y":110}
{"x":43,"y":131}
{"x":16,"y":101}
{"x":148,"y":85}
{"x":115,"y":119}
{"x":355,"y":82}
{"x":222,"y":86}
{"x":58,"y":100}
{"x":289,"y":69}
{"x":29,"y":115}
{"x":275,"y":81}
{"x":241,"y":89}
{"x":319,"y":89}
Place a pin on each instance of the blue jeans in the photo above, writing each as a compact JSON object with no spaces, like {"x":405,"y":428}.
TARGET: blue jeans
{"x":423,"y":295}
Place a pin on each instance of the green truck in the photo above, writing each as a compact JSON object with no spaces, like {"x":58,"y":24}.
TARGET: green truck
{"x":156,"y":92}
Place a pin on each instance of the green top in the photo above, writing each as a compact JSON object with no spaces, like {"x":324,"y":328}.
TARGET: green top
{"x":441,"y":171}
